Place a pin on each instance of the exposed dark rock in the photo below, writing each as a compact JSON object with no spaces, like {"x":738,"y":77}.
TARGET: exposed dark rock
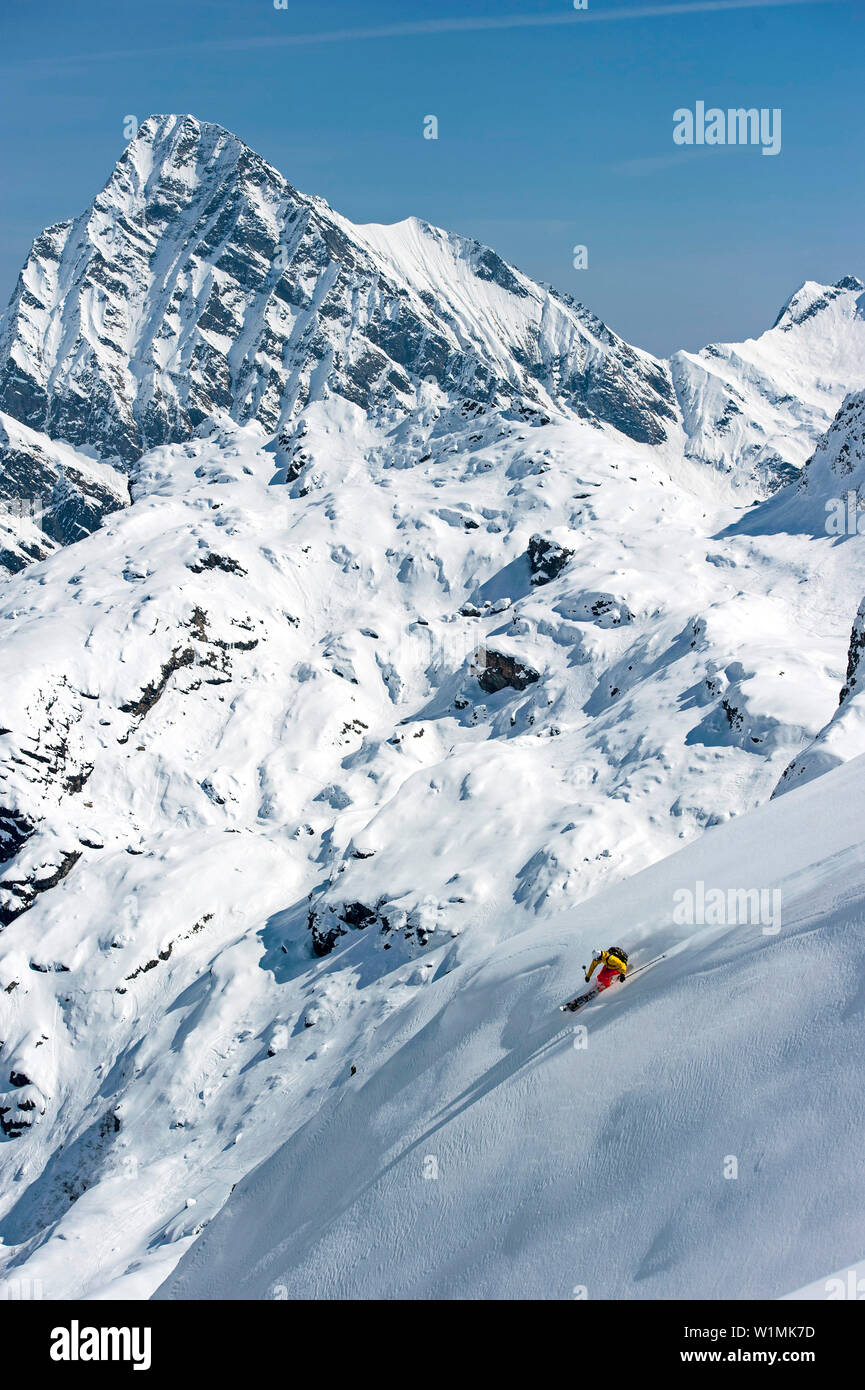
{"x":15,"y":831}
{"x":328,"y":923}
{"x":357,"y":915}
{"x":156,"y":689}
{"x":24,"y":892}
{"x":498,"y":670}
{"x":198,"y":624}
{"x":20,"y":1109}
{"x":166,"y":952}
{"x":76,"y":781}
{"x":735,"y":718}
{"x":547,"y":559}
{"x":852,"y":681}
{"x":212,"y":561}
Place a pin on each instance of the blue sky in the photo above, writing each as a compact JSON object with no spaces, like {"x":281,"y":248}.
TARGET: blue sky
{"x":551,"y":134}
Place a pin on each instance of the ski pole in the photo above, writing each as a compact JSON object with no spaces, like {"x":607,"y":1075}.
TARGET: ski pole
{"x":646,"y":965}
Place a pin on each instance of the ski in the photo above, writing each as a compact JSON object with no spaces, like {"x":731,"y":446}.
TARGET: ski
{"x":574,"y":1004}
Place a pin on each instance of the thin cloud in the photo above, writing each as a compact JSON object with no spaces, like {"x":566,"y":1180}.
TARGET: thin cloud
{"x":425,"y":27}
{"x":656,"y":164}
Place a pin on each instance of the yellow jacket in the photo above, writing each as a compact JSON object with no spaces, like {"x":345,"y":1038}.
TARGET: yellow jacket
{"x":607,"y":958}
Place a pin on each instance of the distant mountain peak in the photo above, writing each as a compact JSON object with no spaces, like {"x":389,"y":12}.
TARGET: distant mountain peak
{"x":811,"y":298}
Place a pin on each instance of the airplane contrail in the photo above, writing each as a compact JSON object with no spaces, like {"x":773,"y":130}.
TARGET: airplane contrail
{"x":419,"y":28}
{"x":474,"y":23}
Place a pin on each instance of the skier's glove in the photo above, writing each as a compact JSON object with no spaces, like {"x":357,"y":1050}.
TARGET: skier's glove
{"x":622,"y":978}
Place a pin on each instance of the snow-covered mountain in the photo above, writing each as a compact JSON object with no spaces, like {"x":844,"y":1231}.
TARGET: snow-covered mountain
{"x":754,"y":410}
{"x":199,"y":280}
{"x":837,"y":467}
{"x":425,"y":628}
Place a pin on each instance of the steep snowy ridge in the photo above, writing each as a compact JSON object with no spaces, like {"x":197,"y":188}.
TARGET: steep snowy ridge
{"x":421,"y":642}
{"x":837,"y":465}
{"x":200,"y":280}
{"x":843,"y":737}
{"x":50,"y":494}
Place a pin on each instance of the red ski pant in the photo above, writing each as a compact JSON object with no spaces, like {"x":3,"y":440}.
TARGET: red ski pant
{"x":606,"y":976}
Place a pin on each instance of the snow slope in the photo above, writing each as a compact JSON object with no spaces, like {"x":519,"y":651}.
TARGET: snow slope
{"x":486,"y":1148}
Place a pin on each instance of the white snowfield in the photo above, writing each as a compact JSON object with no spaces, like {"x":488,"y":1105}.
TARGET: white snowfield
{"x":437,"y":646}
{"x":694,"y":1133}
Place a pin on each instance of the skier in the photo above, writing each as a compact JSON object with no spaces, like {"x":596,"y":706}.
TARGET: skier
{"x":614,"y":965}
{"x":613,"y":962}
